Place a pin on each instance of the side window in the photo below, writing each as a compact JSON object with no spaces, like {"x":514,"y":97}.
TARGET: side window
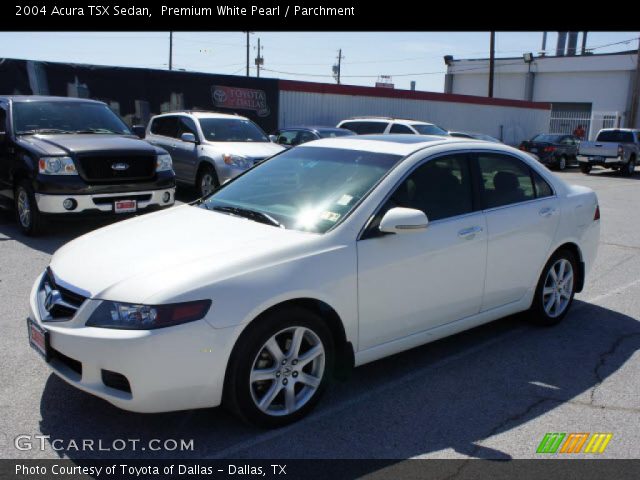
{"x":165,"y":126}
{"x":286,"y":137}
{"x":398,"y":128}
{"x":543,"y":189}
{"x":363,"y":128}
{"x":505,"y":180}
{"x":305,"y":137}
{"x":186,"y":125}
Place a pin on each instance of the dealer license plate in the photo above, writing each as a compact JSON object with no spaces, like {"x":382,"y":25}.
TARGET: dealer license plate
{"x":39,"y":339}
{"x":125,"y":206}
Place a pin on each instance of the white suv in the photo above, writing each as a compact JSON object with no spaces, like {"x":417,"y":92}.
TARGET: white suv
{"x":209,"y":148}
{"x":367,"y":125}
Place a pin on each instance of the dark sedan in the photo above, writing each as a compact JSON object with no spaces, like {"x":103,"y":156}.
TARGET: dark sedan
{"x":553,"y":150}
{"x":292,"y":136}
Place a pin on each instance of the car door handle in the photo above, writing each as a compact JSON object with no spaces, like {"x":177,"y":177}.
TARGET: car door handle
{"x":547,"y":211}
{"x":469,"y":233}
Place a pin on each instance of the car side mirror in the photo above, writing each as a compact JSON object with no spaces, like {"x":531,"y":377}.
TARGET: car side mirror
{"x":188,"y":137}
{"x":273,"y":138}
{"x":139,"y":130}
{"x":403,"y":220}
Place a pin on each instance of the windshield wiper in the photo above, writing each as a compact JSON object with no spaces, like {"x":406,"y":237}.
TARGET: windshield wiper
{"x":250,"y":214}
{"x":36,"y":131}
{"x":94,"y":130}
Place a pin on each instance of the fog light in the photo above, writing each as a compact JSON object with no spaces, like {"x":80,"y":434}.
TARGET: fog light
{"x":166,"y":197}
{"x":69,"y":204}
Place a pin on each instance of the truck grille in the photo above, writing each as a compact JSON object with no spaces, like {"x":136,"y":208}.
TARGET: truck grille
{"x":117,"y":169}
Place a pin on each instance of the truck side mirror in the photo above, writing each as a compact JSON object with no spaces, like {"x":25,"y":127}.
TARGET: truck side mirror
{"x":139,"y":130}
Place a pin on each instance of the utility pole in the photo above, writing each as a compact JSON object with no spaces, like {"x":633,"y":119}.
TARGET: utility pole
{"x":170,"y":50}
{"x":259,"y":59}
{"x":492,"y":61}
{"x":633,"y":111}
{"x":336,"y":68}
{"x":248,"y":52}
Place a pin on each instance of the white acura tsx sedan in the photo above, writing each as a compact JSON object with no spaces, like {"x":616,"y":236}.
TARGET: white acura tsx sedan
{"x":324,"y":257}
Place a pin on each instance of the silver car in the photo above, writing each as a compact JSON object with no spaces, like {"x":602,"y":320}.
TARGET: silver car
{"x":209,"y":148}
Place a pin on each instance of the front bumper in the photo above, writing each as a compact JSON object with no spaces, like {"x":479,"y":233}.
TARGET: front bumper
{"x":174,"y":368}
{"x":104,"y":203}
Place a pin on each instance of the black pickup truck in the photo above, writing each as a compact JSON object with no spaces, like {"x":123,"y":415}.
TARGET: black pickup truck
{"x":74,"y":157}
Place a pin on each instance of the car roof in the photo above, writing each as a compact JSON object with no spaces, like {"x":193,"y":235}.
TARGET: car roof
{"x":399,"y":144}
{"x":386,"y":120}
{"x":45,"y":98}
{"x":202,"y":114}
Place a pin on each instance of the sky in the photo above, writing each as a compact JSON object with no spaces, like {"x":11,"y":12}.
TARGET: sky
{"x":405,"y":56}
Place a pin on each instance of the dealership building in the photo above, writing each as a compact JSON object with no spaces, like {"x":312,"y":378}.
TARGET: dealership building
{"x":594,"y":90}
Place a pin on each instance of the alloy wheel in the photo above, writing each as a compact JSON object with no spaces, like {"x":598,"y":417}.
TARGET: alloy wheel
{"x":287,"y":371}
{"x":558,"y":288}
{"x":24,"y":208}
{"x":206,"y":184}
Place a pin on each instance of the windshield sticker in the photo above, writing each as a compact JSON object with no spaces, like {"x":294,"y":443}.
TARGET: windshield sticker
{"x":330,"y":216}
{"x":344,"y":200}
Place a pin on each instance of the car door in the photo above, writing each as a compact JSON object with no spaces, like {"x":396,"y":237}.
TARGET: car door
{"x":411,"y":282}
{"x":185,"y":154}
{"x":5,"y":181}
{"x":522,"y":214}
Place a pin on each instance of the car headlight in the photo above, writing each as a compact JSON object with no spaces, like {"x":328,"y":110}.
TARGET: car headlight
{"x":57,"y":166}
{"x":127,"y":316}
{"x":164,"y":163}
{"x":236,"y":160}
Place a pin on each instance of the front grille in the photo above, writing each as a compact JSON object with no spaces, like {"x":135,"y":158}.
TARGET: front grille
{"x":70,"y":301}
{"x":109,"y":200}
{"x":100,"y":169}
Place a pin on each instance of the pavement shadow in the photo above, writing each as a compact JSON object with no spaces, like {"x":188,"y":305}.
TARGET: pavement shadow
{"x":450,"y":394}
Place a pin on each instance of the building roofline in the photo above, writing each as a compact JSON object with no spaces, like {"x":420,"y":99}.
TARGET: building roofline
{"x":545,"y":57}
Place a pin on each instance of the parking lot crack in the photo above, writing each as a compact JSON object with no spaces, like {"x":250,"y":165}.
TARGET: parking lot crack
{"x":602,"y":360}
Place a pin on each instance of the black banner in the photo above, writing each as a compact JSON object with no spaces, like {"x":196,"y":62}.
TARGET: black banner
{"x":136,"y":94}
{"x":321,"y":469}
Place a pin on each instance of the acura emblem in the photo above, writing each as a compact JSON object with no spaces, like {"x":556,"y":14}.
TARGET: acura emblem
{"x":52,"y":299}
{"x":120,"y":166}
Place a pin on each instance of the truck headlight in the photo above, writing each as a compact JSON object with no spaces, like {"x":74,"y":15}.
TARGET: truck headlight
{"x":236,"y":161}
{"x":164,"y":163}
{"x":57,"y":166}
{"x":127,"y":316}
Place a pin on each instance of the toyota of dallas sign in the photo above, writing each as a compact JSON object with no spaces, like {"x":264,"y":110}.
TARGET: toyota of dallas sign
{"x":240,"y":98}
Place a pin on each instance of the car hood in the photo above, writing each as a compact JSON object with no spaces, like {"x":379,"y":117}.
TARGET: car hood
{"x":170,"y":251}
{"x":257,"y":150}
{"x":70,"y":144}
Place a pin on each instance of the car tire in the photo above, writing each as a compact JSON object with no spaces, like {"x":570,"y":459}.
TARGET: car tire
{"x":562,"y":163}
{"x":280,"y":394}
{"x":585,"y":168}
{"x":555,"y":290}
{"x":207,"y":180}
{"x":629,"y":169}
{"x":28,"y":216}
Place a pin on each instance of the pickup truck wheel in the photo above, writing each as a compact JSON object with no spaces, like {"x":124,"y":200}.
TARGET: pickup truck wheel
{"x":207,"y":180}
{"x":585,"y":168}
{"x":630,"y":168}
{"x":555,"y":290}
{"x":280,"y":367}
{"x":562,"y":162}
{"x":28,"y":216}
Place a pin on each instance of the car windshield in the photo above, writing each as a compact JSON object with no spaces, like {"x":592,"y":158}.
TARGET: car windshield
{"x":231,"y":130}
{"x":546,"y":138}
{"x":329,"y":133}
{"x":429,"y":129}
{"x":305,"y":188}
{"x":66,"y":117}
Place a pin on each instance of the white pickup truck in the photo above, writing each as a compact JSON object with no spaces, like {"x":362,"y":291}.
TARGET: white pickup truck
{"x":615,"y":148}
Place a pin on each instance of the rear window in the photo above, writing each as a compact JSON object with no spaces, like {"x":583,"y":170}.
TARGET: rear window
{"x":364,"y":128}
{"x":617,"y":136}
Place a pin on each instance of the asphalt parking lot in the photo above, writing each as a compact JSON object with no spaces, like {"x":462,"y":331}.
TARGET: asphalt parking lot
{"x":492,"y":392}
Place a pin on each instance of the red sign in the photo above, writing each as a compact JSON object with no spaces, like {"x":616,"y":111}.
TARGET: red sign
{"x":241,"y":99}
